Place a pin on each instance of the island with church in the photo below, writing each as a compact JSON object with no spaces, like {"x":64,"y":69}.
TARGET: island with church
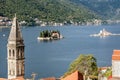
{"x":104,"y":33}
{"x":50,"y":35}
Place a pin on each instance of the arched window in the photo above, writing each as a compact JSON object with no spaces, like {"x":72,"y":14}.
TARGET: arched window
{"x":22,"y":54}
{"x":10,"y":72}
{"x":19,"y":53}
{"x":9,"y":52}
{"x":13,"y":53}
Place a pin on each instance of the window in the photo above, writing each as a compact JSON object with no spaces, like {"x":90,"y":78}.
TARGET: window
{"x":9,"y":52}
{"x":13,"y":53}
{"x":19,"y":54}
{"x":10,"y":72}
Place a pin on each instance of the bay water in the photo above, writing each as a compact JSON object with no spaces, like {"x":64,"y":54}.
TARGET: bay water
{"x":52,"y":58}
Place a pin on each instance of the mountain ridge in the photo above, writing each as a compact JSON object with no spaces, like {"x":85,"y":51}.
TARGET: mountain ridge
{"x":108,"y":9}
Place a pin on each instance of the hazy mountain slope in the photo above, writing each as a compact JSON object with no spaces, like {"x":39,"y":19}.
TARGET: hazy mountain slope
{"x":106,"y":8}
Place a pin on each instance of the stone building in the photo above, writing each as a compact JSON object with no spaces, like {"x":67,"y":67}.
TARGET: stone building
{"x":15,"y":52}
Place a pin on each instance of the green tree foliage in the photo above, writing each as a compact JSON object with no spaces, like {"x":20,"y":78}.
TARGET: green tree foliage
{"x":84,"y":64}
{"x":45,"y":10}
{"x":47,"y":33}
{"x":108,"y":72}
{"x":2,"y":3}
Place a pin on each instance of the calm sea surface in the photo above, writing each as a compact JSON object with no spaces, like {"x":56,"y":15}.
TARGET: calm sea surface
{"x":52,"y":58}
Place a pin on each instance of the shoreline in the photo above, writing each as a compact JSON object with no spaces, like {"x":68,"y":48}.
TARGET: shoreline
{"x":49,"y":38}
{"x":4,"y":26}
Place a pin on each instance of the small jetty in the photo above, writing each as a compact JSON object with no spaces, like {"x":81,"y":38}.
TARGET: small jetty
{"x":104,"y":33}
{"x":50,"y":35}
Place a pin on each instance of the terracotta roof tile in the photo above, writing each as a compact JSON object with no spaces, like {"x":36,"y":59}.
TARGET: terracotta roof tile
{"x":116,"y":55}
{"x":50,"y":78}
{"x":74,"y":76}
{"x":18,"y":78}
{"x":114,"y":78}
{"x":3,"y":79}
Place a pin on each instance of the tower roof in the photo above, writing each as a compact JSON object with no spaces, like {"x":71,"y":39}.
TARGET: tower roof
{"x":116,"y":55}
{"x":15,"y":33}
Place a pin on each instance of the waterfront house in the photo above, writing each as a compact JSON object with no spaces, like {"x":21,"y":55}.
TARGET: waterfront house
{"x":115,"y":65}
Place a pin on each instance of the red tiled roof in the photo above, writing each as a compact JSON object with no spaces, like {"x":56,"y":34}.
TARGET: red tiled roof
{"x":50,"y":78}
{"x":114,"y":78}
{"x":116,"y":55}
{"x":104,"y":68}
{"x":2,"y":79}
{"x":74,"y":76}
{"x":110,"y":77}
{"x":18,"y":78}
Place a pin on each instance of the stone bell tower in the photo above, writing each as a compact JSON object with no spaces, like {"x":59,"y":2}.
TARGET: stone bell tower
{"x":15,"y":52}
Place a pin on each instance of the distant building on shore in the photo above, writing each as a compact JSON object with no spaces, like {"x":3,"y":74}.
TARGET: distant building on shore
{"x":4,"y":21}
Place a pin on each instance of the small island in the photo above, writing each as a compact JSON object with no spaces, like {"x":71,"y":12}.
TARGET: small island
{"x":50,"y":35}
{"x":104,"y":33}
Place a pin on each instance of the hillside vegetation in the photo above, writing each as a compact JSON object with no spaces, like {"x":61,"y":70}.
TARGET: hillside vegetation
{"x":108,"y":9}
{"x":45,"y":10}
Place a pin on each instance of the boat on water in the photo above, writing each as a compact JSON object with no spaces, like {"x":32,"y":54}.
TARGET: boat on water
{"x":102,"y":33}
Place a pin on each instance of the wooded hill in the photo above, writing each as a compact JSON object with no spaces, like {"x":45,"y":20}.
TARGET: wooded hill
{"x":45,"y":10}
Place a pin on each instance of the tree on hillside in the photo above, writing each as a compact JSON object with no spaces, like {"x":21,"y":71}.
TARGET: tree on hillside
{"x":85,"y":64}
{"x":2,"y":3}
